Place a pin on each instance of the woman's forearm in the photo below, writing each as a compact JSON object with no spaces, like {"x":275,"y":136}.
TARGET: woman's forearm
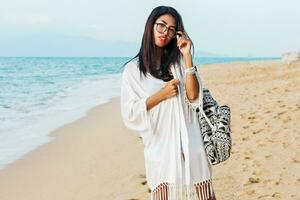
{"x":154,"y":99}
{"x":191,"y":82}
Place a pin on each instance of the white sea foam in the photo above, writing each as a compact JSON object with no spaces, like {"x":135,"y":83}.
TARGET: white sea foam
{"x":23,"y":133}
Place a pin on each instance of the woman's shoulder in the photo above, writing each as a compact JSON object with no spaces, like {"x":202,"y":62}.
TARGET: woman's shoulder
{"x":132,"y":65}
{"x":131,"y":69}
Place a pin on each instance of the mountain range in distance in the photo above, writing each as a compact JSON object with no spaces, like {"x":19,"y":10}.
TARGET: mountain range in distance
{"x":40,"y":45}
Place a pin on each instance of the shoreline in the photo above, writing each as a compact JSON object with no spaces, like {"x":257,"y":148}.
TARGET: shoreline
{"x":47,"y":135}
{"x":77,"y":146}
{"x":53,"y":134}
{"x":96,"y":155}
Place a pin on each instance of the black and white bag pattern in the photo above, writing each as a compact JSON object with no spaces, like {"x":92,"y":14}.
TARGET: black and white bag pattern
{"x":215,"y":127}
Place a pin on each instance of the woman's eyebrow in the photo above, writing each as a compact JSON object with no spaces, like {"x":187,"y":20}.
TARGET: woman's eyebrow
{"x":166,"y":23}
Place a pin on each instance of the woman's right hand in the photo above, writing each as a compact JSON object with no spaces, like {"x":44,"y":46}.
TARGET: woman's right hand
{"x":170,"y":89}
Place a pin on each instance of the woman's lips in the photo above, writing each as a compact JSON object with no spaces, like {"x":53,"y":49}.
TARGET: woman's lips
{"x":162,"y":39}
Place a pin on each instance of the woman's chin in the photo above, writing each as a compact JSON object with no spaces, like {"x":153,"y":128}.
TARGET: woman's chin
{"x":161,"y":45}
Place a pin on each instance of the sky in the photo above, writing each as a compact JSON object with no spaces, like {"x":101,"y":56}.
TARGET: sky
{"x":264,"y":28}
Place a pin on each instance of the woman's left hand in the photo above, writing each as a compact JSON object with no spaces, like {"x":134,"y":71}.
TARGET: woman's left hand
{"x":183,"y":43}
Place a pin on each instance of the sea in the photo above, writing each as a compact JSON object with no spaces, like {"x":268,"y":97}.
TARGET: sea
{"x":41,"y":94}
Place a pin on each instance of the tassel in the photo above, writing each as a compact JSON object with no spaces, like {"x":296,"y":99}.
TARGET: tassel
{"x":190,"y":109}
{"x":198,"y":191}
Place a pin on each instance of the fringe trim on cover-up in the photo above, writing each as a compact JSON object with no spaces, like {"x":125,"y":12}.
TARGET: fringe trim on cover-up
{"x":194,"y":111}
{"x":170,"y":191}
{"x":191,"y":109}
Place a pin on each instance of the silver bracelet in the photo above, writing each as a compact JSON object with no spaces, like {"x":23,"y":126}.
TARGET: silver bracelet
{"x":190,"y":70}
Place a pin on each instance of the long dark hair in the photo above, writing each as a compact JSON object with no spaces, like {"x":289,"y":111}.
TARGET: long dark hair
{"x":170,"y":54}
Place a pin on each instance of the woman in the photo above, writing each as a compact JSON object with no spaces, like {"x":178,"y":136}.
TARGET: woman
{"x":160,"y":87}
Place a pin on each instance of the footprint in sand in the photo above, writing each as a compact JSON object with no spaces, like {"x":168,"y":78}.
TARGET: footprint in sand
{"x":268,"y":156}
{"x":243,"y":116}
{"x":245,"y":169}
{"x":252,"y":180}
{"x":295,"y":160}
{"x":245,"y":127}
{"x":245,"y":138}
{"x":263,"y":196}
{"x":281,"y":113}
{"x":250,"y":152}
{"x":293,"y":195}
{"x":275,"y":132}
{"x":142,"y":176}
{"x":285,"y":145}
{"x":257,"y":173}
{"x":256,"y":163}
{"x":247,"y":157}
{"x":278,"y":182}
{"x":261,"y":145}
{"x":251,"y":117}
{"x":287,"y":119}
{"x":250,"y":192}
{"x":267,"y":181}
{"x":270,"y":140}
{"x":258,"y":131}
{"x":276,"y":195}
{"x":144,"y":182}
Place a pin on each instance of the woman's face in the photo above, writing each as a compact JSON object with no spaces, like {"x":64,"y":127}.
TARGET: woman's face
{"x":164,"y":31}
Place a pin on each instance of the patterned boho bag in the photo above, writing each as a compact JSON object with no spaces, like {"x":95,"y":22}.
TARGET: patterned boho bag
{"x":214,"y":121}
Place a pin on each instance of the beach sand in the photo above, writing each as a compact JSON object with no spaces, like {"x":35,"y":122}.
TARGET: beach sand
{"x":97,"y":157}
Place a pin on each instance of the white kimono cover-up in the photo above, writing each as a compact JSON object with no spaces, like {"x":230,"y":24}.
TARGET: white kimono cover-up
{"x":177,"y":167}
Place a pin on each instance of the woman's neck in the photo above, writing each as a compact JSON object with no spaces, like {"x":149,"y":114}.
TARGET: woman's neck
{"x":158,"y":55}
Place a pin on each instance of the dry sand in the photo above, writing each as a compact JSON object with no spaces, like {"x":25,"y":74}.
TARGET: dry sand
{"x":97,"y":158}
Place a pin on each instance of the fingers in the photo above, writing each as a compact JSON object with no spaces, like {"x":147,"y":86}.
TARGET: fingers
{"x":174,"y":85}
{"x":179,"y":40}
{"x":182,"y":39}
{"x":172,"y":88}
{"x":175,"y":81}
{"x":178,"y":35}
{"x":179,"y":44}
{"x":182,"y":42}
{"x":181,"y":35}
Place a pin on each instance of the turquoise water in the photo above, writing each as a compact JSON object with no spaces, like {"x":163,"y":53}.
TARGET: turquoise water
{"x":40,"y":94}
